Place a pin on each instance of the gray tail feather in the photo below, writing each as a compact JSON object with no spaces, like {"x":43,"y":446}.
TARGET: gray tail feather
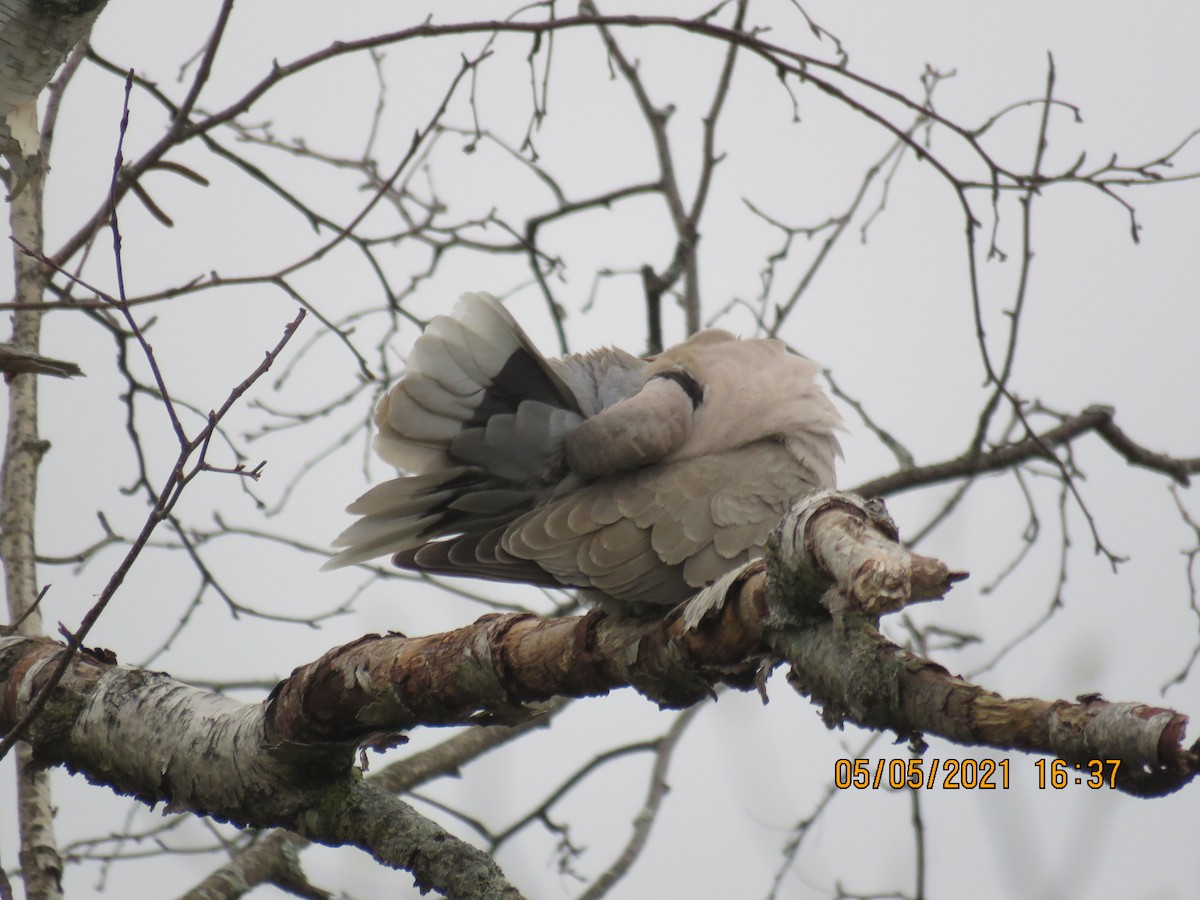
{"x":482,"y":417}
{"x":407,"y":513}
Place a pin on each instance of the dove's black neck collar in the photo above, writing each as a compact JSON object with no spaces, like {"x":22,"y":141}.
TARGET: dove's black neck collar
{"x":690,"y":385}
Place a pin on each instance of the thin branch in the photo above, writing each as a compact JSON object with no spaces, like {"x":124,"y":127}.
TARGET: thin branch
{"x":644,"y":821}
{"x":167,"y":497}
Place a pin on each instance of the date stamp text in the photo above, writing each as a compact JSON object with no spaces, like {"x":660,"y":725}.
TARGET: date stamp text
{"x":968,"y":774}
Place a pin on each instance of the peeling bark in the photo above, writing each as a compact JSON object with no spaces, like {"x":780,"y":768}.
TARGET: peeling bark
{"x":147,"y":735}
{"x":35,"y":37}
{"x":856,"y":674}
{"x":289,"y":761}
{"x":41,"y":864}
{"x":486,"y":672}
{"x":834,"y":568}
{"x":274,"y":858}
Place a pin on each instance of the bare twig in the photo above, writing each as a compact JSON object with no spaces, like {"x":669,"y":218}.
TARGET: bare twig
{"x":644,"y":821}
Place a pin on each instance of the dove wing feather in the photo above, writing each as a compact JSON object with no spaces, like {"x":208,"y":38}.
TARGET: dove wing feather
{"x":671,"y":516}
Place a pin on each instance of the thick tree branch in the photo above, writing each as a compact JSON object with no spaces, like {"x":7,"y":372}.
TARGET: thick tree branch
{"x":274,"y":856}
{"x":288,"y":762}
{"x":1097,"y":419}
{"x":860,"y":676}
{"x":814,"y":611}
{"x":144,"y":734}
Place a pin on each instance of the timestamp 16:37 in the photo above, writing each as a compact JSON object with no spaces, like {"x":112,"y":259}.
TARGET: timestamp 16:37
{"x":967,"y":773}
{"x":1093,"y":773}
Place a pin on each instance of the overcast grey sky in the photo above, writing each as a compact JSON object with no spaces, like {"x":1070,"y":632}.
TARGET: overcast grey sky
{"x":1107,"y":321}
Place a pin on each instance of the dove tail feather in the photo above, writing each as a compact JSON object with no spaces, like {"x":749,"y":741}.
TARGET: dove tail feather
{"x":406,"y":513}
{"x":480,"y":416}
{"x":464,"y":369}
{"x":474,"y":556}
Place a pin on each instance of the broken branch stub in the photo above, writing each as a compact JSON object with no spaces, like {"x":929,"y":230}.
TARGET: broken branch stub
{"x":850,"y":544}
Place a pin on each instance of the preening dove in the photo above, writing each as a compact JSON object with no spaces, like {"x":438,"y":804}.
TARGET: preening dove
{"x":638,"y":480}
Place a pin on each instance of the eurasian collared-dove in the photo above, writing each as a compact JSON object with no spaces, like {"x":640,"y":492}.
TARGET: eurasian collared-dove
{"x":640,"y":480}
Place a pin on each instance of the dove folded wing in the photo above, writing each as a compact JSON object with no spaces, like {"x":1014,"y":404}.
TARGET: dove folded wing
{"x":691,"y":520}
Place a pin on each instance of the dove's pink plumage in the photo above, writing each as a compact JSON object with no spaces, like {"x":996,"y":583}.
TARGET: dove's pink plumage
{"x":640,"y":480}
